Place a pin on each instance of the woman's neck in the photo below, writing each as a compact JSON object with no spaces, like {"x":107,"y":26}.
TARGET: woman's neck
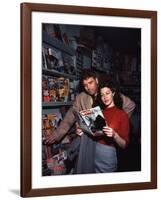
{"x":111,"y":105}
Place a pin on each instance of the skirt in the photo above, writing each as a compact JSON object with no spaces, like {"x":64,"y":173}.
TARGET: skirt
{"x":105,"y":158}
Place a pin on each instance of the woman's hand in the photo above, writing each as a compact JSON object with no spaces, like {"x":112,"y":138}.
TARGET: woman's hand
{"x":108,"y":131}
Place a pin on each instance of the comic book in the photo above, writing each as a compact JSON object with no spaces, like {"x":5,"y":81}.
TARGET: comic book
{"x":91,"y":121}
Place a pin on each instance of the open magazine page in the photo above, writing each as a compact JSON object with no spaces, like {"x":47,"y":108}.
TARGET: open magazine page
{"x":91,"y":121}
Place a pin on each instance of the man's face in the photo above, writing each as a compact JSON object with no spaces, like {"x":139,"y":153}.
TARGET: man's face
{"x":91,"y":85}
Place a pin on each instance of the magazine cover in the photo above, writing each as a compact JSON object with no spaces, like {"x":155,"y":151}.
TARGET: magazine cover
{"x":91,"y":121}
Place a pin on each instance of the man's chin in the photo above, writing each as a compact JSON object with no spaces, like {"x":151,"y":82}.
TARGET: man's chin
{"x":91,"y":93}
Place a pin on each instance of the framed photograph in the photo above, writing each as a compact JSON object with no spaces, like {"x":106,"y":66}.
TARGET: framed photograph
{"x":78,"y":133}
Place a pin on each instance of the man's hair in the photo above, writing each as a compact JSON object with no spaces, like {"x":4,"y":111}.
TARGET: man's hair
{"x":88,"y":73}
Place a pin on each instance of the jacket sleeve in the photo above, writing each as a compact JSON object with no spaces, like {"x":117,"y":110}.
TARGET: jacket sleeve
{"x":66,"y":123}
{"x":128,"y":105}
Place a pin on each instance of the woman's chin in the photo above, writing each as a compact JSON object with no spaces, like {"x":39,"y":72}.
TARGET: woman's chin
{"x":106,"y":103}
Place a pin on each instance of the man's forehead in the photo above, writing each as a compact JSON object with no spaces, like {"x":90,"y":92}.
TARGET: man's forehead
{"x":88,"y":79}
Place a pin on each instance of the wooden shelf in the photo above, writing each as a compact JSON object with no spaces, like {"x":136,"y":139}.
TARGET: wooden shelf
{"x":58,"y":74}
{"x":56,"y":104}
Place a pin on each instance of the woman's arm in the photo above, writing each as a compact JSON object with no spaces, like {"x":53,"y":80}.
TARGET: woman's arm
{"x":109,"y":132}
{"x":121,"y":134}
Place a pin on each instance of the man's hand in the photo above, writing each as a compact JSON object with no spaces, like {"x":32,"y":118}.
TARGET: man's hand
{"x":79,"y":131}
{"x":50,"y":139}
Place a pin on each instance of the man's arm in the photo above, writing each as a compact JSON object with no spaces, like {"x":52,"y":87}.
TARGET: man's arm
{"x":63,"y":128}
{"x":65,"y":124}
{"x":128,"y":105}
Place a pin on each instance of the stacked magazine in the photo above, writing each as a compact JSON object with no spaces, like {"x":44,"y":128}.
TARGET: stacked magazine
{"x":91,"y":121}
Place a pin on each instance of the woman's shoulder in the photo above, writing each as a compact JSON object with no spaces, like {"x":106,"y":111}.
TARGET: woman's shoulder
{"x":121,"y":112}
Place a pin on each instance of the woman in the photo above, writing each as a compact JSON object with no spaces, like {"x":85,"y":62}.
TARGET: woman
{"x":116,"y":131}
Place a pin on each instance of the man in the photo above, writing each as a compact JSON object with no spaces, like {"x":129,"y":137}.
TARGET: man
{"x":85,"y":100}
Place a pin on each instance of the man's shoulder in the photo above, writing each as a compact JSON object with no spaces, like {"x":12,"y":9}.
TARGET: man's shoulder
{"x":83,"y":101}
{"x":82,"y":95}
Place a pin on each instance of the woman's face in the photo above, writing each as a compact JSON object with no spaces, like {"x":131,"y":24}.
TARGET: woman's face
{"x":107,"y":97}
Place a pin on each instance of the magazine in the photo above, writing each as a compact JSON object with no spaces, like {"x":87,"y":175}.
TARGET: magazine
{"x":91,"y":121}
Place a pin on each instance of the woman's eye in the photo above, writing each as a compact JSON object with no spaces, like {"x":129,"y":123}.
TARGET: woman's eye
{"x":108,"y":93}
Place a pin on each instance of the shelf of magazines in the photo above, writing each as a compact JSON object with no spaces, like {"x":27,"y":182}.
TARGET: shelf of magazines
{"x":58,"y":90}
{"x":57,"y":44}
{"x":56,"y":104}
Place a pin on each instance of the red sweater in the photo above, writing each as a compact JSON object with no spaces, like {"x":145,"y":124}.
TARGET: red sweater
{"x":119,"y":121}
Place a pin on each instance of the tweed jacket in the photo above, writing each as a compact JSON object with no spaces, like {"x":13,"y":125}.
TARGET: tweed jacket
{"x":84,"y":101}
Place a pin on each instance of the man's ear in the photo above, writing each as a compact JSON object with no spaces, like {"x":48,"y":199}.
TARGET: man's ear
{"x":97,"y":80}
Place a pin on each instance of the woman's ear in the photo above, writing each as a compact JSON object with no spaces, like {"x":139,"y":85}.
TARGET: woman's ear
{"x":113,"y":94}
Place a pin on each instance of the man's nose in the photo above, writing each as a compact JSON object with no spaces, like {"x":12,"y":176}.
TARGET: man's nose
{"x":87,"y":87}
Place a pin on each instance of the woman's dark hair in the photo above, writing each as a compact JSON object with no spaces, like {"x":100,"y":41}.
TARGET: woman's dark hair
{"x":115,"y":89}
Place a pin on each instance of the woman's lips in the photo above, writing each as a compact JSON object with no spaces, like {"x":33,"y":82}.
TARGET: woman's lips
{"x":106,"y":101}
